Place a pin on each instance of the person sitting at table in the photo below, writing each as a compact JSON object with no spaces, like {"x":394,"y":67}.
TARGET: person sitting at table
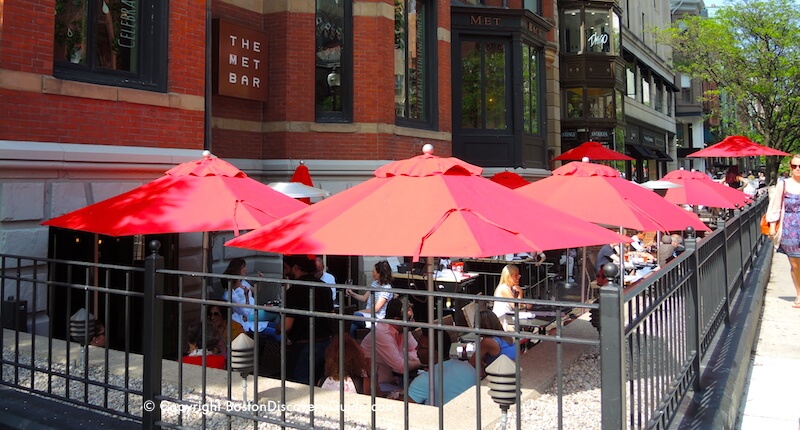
{"x":387,"y":341}
{"x":194,"y":337}
{"x":637,"y":241}
{"x":219,"y":321}
{"x":356,"y":367}
{"x":457,"y":376}
{"x":607,"y":254}
{"x":492,"y":347}
{"x":240,"y":291}
{"x":508,"y":287}
{"x":666,"y":251}
{"x":382,"y":278}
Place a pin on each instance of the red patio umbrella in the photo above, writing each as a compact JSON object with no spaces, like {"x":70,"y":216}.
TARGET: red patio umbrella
{"x":509,"y":179}
{"x":594,"y":151}
{"x":696,"y":188}
{"x":303,"y":176}
{"x":204,"y":195}
{"x":597,"y":193}
{"x":425,"y":206}
{"x":736,"y":146}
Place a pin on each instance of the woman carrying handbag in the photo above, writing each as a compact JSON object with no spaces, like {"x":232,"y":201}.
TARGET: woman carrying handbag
{"x":783,"y":215}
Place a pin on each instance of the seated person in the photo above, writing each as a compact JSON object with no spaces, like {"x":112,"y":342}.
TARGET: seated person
{"x":508,"y":287}
{"x":242,"y":292}
{"x":382,"y":278}
{"x":607,"y":254}
{"x":492,"y":346}
{"x":99,"y":338}
{"x":219,"y":321}
{"x":356,"y":367}
{"x":387,"y":341}
{"x":194,"y":336}
{"x":638,"y":242}
{"x":666,"y":251}
{"x":457,"y":376}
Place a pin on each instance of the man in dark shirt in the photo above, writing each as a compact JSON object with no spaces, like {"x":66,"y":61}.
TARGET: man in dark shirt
{"x":607,"y":254}
{"x":297,"y":327}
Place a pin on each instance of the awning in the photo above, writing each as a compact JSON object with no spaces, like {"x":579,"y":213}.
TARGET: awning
{"x":640,"y":152}
{"x":662,"y":156}
{"x":684,"y":152}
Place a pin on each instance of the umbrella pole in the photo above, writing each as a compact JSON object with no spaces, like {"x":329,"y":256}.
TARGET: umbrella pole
{"x":206,"y":238}
{"x":431,"y":340}
{"x":583,"y":275}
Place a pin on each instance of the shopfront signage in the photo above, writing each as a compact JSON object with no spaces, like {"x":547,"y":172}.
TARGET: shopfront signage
{"x":599,"y":134}
{"x":483,"y":20}
{"x":569,"y":135}
{"x":240,"y":60}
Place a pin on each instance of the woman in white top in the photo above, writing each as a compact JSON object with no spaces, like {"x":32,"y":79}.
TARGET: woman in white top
{"x":509,"y":288}
{"x":382,"y":278}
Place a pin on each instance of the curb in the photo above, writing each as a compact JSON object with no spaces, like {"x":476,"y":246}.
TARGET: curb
{"x":726,"y":370}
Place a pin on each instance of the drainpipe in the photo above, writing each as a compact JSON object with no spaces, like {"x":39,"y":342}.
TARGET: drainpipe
{"x":207,"y":115}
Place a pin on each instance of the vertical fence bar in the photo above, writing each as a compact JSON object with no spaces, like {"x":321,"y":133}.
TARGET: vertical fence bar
{"x":612,"y":353}
{"x":152,"y":343}
{"x":693,"y":319}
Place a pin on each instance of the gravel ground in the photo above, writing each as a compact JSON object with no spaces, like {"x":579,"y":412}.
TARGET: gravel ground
{"x":581,"y":401}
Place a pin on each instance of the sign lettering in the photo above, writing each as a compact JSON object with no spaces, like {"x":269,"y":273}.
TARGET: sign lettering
{"x":241,"y":60}
{"x":483,"y":20}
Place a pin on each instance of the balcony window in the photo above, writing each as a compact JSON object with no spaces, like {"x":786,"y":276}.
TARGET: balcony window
{"x":601,"y":102}
{"x":573,"y":38}
{"x":590,"y":30}
{"x":573,"y":105}
{"x":333,"y":73}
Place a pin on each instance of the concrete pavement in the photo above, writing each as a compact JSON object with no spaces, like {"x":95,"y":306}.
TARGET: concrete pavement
{"x":771,"y":396}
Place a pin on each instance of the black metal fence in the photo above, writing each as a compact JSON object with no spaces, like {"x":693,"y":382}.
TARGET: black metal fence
{"x":652,"y":338}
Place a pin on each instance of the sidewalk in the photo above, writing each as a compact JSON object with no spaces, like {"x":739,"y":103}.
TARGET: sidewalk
{"x":770,"y":401}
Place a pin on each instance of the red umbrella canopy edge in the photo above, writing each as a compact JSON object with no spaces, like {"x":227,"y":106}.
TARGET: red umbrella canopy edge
{"x":736,"y":146}
{"x":509,"y":179}
{"x":594,"y":151}
{"x":425,"y":206}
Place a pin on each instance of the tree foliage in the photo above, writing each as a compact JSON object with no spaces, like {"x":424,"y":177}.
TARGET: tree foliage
{"x":751,"y":50}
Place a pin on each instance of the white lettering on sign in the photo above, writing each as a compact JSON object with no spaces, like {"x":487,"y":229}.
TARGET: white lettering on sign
{"x":233,"y":78}
{"x":127,"y":25}
{"x":598,"y":39}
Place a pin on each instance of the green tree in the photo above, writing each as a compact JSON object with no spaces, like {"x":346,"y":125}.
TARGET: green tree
{"x":751,"y":50}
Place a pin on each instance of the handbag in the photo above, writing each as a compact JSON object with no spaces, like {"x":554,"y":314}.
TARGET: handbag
{"x":765,"y":224}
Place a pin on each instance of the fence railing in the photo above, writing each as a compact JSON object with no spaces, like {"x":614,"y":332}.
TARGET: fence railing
{"x":652,"y":338}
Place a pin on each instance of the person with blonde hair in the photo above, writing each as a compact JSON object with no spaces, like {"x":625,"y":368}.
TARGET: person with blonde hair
{"x":783,"y":215}
{"x":508,"y":287}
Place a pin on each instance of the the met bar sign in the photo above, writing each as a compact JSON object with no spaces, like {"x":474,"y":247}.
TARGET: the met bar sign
{"x":240,"y":61}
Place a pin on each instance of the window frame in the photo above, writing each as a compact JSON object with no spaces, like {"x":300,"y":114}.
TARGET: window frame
{"x":430,"y":117}
{"x":345,"y":70}
{"x":152,"y":52}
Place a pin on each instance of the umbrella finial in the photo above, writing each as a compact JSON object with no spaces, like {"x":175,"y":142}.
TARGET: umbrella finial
{"x":206,"y":153}
{"x":427,"y":149}
{"x":585,"y":159}
{"x":302,"y":163}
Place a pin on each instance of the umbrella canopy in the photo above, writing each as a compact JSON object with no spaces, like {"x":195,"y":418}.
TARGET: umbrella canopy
{"x":598,"y":194}
{"x":696,"y":188}
{"x":208,"y":194}
{"x":509,"y":179}
{"x":736,"y":146}
{"x":594,"y":151}
{"x":425,"y":206}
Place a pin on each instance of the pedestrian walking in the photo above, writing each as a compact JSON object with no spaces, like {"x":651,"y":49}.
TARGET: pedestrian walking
{"x":783,"y":215}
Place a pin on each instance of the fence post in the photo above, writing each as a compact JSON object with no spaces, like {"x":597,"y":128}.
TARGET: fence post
{"x":153,"y":341}
{"x":612,"y":353}
{"x":693,"y":338}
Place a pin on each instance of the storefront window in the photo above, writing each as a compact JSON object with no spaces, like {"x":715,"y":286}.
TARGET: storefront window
{"x":410,"y":23}
{"x":483,"y":108}
{"x":574,"y":103}
{"x":601,"y":102}
{"x":571,"y":25}
{"x":530,"y":89}
{"x":111,"y":42}
{"x":598,"y":38}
